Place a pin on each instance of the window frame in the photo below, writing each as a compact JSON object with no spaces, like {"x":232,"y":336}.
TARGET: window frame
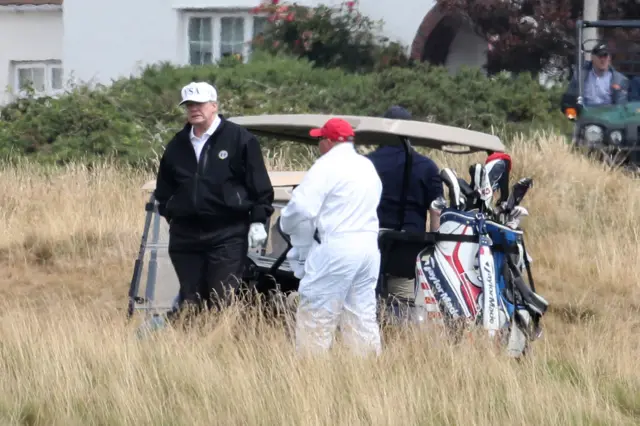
{"x":216,"y":16}
{"x":49,"y":66}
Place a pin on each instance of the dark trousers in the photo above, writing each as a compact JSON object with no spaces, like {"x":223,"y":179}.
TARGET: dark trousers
{"x":209,"y":262}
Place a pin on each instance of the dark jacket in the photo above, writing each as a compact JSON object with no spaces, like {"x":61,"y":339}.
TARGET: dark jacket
{"x":619,"y":87}
{"x":230,"y":183}
{"x":425,"y":185}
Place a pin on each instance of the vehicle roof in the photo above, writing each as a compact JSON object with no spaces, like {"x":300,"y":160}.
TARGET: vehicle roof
{"x":373,"y":131}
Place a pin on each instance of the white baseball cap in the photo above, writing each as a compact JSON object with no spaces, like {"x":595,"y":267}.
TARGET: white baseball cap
{"x":199,"y":92}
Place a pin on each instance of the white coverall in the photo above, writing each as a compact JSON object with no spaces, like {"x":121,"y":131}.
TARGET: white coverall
{"x":339,"y":196}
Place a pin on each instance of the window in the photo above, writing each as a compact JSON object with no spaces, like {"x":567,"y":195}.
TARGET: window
{"x":200,"y":41}
{"x":212,"y":36}
{"x":231,"y":36}
{"x":45,"y":78}
{"x":259,"y":25}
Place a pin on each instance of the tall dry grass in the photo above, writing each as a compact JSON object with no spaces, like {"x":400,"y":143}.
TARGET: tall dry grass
{"x":68,"y":358}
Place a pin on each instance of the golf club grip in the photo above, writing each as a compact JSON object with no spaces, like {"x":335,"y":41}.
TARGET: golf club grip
{"x":447,"y":177}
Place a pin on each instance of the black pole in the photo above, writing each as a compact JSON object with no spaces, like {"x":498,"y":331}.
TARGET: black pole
{"x":137,"y":268}
{"x":579,"y":61}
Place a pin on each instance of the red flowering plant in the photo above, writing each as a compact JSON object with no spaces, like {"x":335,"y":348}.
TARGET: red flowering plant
{"x":537,"y":35}
{"x":337,"y":36}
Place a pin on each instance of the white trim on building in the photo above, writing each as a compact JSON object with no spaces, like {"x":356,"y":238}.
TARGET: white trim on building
{"x":31,"y":8}
{"x":45,"y":77}
{"x":211,"y":34}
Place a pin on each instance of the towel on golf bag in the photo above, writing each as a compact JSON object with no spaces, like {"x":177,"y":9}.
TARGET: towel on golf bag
{"x":449,"y":280}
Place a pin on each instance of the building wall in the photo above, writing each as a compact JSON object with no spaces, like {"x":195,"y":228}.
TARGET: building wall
{"x":112,"y":39}
{"x":105,"y":40}
{"x":28,"y":36}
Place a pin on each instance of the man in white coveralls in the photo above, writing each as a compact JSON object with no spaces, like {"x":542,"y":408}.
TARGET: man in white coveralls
{"x":339,"y":197}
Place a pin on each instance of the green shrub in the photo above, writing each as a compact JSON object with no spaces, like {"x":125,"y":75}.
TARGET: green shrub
{"x":338,"y":36}
{"x":135,"y":117}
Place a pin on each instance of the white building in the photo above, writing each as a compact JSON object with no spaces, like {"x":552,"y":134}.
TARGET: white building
{"x":31,"y":46}
{"x":97,"y":40}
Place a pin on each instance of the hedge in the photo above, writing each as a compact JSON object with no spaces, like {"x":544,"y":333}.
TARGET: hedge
{"x":133,"y":118}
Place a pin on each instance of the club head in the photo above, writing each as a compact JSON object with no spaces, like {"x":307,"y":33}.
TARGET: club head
{"x":496,"y":170}
{"x":515,"y":216}
{"x":518,"y":192}
{"x":470,"y":196}
{"x":519,"y":212}
{"x":499,"y":166}
{"x":462,"y":202}
{"x":450,"y":179}
{"x":473,"y":183}
{"x":481,"y":185}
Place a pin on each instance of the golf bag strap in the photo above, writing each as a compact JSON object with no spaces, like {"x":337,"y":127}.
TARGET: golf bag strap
{"x":435,"y":237}
{"x":527,"y":294}
{"x":527,"y":265}
{"x":511,"y":248}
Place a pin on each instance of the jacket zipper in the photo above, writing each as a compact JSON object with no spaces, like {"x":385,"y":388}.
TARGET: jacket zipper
{"x":202,"y":164}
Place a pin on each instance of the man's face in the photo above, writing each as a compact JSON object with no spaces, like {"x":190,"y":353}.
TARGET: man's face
{"x":199,"y":113}
{"x":602,"y":61}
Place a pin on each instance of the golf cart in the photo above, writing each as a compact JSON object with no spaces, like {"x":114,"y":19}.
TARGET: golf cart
{"x":611,"y":132}
{"x":404,"y":254}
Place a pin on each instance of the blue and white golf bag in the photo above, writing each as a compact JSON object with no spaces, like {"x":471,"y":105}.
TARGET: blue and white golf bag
{"x":473,"y":275}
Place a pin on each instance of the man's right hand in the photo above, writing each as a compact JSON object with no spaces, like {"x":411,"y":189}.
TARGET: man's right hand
{"x":296,"y":262}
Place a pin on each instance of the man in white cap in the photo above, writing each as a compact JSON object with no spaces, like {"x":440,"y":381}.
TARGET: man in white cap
{"x":214,"y":190}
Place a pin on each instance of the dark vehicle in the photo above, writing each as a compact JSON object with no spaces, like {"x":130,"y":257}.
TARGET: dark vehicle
{"x":610,"y":132}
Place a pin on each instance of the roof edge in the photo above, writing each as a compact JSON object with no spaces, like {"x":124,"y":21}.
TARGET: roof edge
{"x":30,"y":8}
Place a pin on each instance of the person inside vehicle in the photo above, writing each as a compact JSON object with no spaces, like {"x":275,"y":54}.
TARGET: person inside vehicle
{"x":214,"y":190}
{"x":603,"y":85}
{"x":339,"y":198}
{"x":425,"y":185}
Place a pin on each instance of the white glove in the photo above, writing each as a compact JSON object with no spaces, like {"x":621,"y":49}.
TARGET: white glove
{"x":296,"y":262}
{"x":257,"y":235}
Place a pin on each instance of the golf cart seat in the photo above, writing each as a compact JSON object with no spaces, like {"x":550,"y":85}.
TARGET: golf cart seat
{"x":398,"y":250}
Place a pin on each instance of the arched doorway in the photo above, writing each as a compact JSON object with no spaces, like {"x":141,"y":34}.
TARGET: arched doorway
{"x":437,"y":44}
{"x":437,"y":36}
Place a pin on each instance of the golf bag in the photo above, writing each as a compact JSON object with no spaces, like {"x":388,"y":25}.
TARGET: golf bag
{"x":451,"y":278}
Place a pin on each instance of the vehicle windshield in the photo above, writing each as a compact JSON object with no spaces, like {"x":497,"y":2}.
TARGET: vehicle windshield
{"x":276,"y":245}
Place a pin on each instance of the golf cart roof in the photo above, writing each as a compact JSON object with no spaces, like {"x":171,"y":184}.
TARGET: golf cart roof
{"x":282,"y":182}
{"x":373,"y":131}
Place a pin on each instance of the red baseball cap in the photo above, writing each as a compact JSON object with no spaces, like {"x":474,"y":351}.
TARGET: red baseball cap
{"x":335,"y":129}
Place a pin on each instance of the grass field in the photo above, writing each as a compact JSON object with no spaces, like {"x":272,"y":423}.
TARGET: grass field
{"x":67,"y":358}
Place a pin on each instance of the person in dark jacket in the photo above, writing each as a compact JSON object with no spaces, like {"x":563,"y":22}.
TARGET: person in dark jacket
{"x":425,"y":185}
{"x":214,"y":190}
{"x":602,"y":84}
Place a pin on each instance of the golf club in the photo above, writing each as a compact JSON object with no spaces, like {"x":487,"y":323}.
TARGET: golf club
{"x":450,"y":179}
{"x":499,"y":166}
{"x":515,"y":216}
{"x":482,"y":185}
{"x":518,"y":192}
